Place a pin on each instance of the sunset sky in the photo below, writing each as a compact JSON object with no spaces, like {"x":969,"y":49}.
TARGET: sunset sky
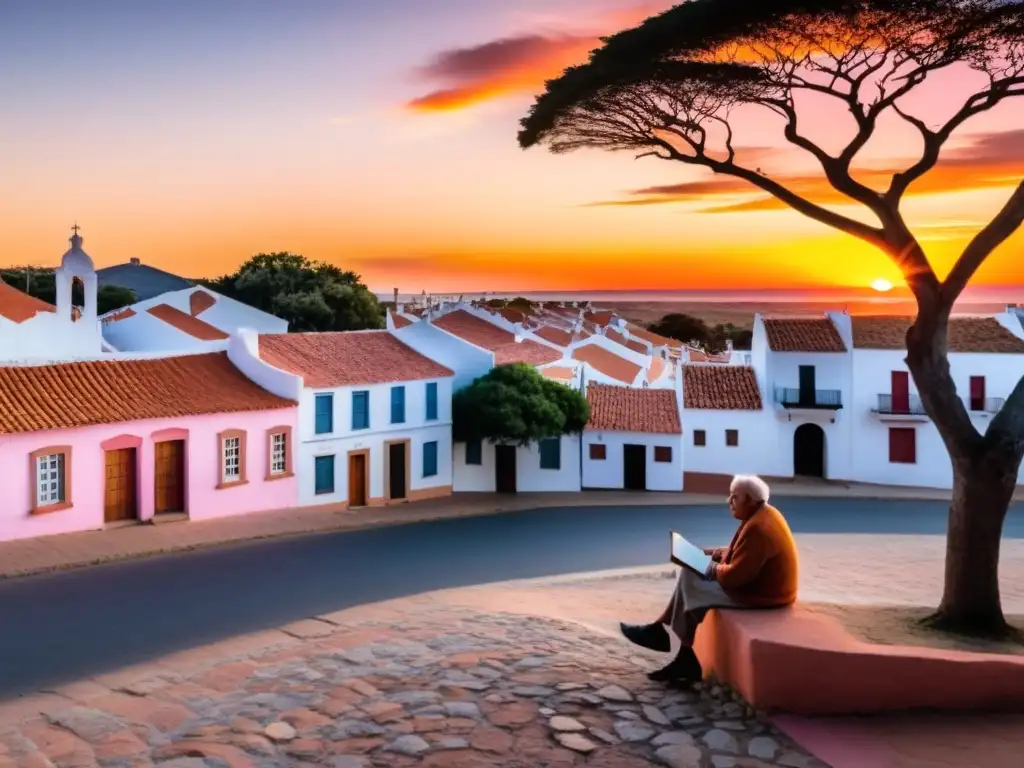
{"x":381,"y":136}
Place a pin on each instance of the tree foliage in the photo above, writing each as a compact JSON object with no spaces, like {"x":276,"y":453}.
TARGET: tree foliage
{"x":310,"y":295}
{"x":668,"y":88}
{"x":42,"y":284}
{"x":692,"y":330}
{"x":516,"y":404}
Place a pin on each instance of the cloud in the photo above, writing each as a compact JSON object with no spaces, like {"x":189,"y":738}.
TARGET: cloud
{"x":987,"y":161}
{"x":465,"y":77}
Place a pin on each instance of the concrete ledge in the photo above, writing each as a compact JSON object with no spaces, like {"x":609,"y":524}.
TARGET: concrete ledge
{"x":794,"y":660}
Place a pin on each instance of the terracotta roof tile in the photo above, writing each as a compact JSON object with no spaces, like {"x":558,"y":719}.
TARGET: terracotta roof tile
{"x":200,"y":301}
{"x":399,"y":321}
{"x":67,"y":395}
{"x":18,"y":306}
{"x":558,"y":373}
{"x":601,"y":318}
{"x":637,"y":346}
{"x":607,"y":362}
{"x":121,"y":314}
{"x":499,"y":341}
{"x":345,"y":358}
{"x":658,"y":366}
{"x":630,"y":409}
{"x":966,"y":334}
{"x":656,"y":339}
{"x":721,"y":387}
{"x":193,"y":326}
{"x":554,"y":335}
{"x":613,"y":335}
{"x":804,"y":334}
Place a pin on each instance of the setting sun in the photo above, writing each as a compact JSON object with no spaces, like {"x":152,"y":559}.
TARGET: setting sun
{"x":881,"y":285}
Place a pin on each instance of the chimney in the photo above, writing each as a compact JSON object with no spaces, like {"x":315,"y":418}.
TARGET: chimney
{"x":396,"y":297}
{"x":134,"y":261}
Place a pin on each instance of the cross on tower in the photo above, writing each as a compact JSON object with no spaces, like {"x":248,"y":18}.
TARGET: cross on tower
{"x":75,"y":228}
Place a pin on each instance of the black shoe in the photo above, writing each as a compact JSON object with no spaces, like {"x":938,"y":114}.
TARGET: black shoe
{"x":684,"y":668}
{"x":651,"y":636}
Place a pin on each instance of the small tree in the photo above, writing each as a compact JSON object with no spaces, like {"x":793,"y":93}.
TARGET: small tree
{"x":667,"y":88}
{"x":516,"y":404}
{"x":684,"y":328}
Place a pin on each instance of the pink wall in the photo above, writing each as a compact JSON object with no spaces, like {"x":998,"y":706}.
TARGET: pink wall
{"x":88,"y":470}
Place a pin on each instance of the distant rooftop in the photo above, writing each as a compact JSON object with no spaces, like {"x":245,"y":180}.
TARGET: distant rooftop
{"x":146,"y":281}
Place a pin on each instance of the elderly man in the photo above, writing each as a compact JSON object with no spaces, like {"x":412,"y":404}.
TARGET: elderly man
{"x":757,"y":570}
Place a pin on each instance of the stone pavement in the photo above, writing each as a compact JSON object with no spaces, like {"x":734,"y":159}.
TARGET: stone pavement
{"x":48,"y":553}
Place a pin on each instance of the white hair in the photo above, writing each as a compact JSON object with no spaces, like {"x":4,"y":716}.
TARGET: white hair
{"x":751,"y":486}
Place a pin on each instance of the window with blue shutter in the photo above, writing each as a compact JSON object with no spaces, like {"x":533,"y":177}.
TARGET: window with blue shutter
{"x":432,"y":401}
{"x":474,"y":452}
{"x":430,"y":459}
{"x":324,"y":414}
{"x":551,"y":453}
{"x":398,"y":405}
{"x":361,"y":410}
{"x":324,"y":471}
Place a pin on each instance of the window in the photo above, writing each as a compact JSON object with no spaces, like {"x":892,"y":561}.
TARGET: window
{"x":551,"y":453}
{"x":278,"y":453}
{"x":598,"y":451}
{"x":51,"y":487}
{"x":663,"y":453}
{"x":231,"y":459}
{"x":432,"y":401}
{"x":324,"y":413}
{"x":361,"y":409}
{"x":474,"y":452}
{"x":902,"y":445}
{"x":732,"y":437}
{"x":700,"y":437}
{"x":430,"y":459}
{"x":324,"y":472}
{"x":977,"y":393}
{"x":398,"y":405}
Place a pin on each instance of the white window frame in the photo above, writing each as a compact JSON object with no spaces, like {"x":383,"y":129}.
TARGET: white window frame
{"x":231,"y":471}
{"x":278,"y":453}
{"x":51,"y":479}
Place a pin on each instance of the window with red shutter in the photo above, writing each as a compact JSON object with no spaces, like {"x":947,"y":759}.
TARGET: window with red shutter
{"x":902,"y":445}
{"x":977,"y":393}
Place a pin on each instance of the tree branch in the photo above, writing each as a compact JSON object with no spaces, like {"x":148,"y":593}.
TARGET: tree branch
{"x":1009,"y":422}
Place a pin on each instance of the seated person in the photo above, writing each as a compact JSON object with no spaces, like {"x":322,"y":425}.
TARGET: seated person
{"x":757,"y":570}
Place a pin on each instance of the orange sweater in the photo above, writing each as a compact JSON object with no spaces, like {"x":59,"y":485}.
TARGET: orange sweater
{"x":759,"y":568}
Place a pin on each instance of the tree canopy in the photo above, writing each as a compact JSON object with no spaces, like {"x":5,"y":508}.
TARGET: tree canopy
{"x":692,"y":330}
{"x":42,"y":284}
{"x":310,"y":295}
{"x":516,"y":404}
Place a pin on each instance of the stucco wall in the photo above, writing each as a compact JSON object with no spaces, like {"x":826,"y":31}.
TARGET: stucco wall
{"x":88,"y":467}
{"x":758,"y":451}
{"x":481,"y":478}
{"x":468,"y":361}
{"x":143,"y":332}
{"x":610,"y":472}
{"x":49,"y":336}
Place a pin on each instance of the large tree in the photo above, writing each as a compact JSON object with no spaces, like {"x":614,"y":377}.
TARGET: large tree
{"x":670,"y":88}
{"x":310,"y":295}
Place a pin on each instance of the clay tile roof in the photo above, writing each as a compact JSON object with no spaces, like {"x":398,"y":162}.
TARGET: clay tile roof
{"x":804,"y":334}
{"x":599,"y":318}
{"x":637,"y":346}
{"x":629,"y":409}
{"x":121,"y":314}
{"x":18,"y":307}
{"x":67,"y":395}
{"x":966,"y":334}
{"x":613,"y":335}
{"x":656,"y":339}
{"x":658,"y":366}
{"x":554,"y":335}
{"x":721,"y":387}
{"x":193,"y":326}
{"x":499,"y":341}
{"x":607,"y":362}
{"x":512,"y":314}
{"x":344,"y":358}
{"x":200,"y":301}
{"x":400,"y":321}
{"x":558,"y":372}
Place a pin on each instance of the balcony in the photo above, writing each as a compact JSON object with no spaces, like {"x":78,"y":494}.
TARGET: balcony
{"x":910,"y":409}
{"x":988,"y":406}
{"x":809,"y":399}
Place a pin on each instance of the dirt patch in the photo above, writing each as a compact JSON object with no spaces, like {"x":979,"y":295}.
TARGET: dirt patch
{"x":899,"y":625}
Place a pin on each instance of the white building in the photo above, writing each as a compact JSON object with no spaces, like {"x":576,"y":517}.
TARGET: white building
{"x":633,"y":440}
{"x":32,"y":330}
{"x":190,"y":320}
{"x":374,"y":417}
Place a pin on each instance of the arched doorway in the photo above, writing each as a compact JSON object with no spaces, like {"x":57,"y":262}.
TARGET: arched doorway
{"x":809,"y":451}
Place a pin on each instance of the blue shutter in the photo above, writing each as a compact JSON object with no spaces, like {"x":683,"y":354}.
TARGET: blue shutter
{"x":474,"y":452}
{"x":360,"y":410}
{"x":324,"y":414}
{"x":431,"y":401}
{"x":551,"y":453}
{"x":398,"y":405}
{"x":324,"y":466}
{"x":430,"y":459}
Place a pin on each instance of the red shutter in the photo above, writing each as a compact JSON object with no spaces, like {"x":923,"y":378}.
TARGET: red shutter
{"x":900,"y":392}
{"x":902,"y":445}
{"x":977,"y":393}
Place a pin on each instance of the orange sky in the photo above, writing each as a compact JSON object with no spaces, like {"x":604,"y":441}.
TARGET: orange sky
{"x":197,"y":139}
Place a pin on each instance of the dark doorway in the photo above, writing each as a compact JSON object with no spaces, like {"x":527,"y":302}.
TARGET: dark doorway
{"x":505,"y":468}
{"x":634,"y":467}
{"x":809,"y":451}
{"x":807,"y":385}
{"x":397,"y":453}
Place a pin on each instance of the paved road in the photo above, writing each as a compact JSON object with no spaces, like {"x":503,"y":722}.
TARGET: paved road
{"x":61,"y":627}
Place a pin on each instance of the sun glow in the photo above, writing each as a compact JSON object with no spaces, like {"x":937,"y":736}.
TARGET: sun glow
{"x":881,"y":285}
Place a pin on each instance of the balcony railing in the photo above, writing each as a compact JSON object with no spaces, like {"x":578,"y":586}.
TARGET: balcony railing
{"x":817,"y":398}
{"x":910,"y":406}
{"x":987,"y":405}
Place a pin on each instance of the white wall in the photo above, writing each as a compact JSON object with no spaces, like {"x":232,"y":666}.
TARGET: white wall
{"x":468,"y":361}
{"x":760,"y":450}
{"x":143,"y":332}
{"x":530,"y":478}
{"x":610,"y":471}
{"x":243,"y":352}
{"x":49,"y":336}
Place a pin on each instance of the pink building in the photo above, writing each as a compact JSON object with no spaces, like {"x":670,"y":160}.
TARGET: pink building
{"x":87,"y":444}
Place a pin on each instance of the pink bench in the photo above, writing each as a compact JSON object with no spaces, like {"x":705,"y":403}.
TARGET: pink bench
{"x":794,"y":660}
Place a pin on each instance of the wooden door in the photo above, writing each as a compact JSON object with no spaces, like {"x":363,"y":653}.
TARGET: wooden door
{"x":634,"y":467}
{"x":396,"y":470}
{"x":505,"y":468}
{"x":357,"y":480}
{"x":900,"y":392}
{"x":121,"y":492}
{"x":170,"y":476}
